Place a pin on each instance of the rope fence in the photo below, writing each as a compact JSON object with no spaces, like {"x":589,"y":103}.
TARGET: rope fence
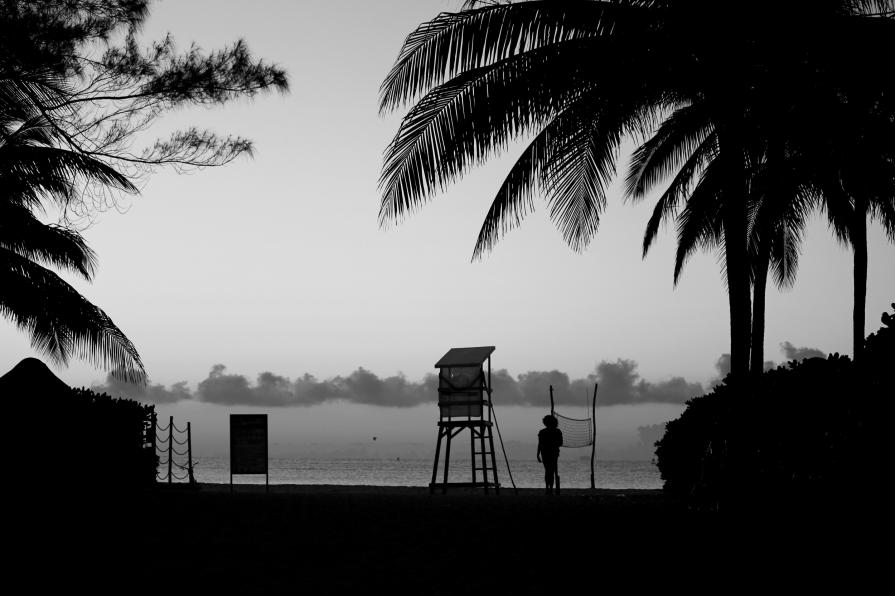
{"x":168,"y":453}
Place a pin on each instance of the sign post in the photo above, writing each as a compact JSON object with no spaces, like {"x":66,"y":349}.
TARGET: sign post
{"x":248,"y":446}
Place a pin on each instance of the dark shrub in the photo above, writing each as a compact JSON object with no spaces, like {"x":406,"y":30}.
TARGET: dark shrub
{"x":808,"y":433}
{"x":78,"y":438}
{"x":119,"y":435}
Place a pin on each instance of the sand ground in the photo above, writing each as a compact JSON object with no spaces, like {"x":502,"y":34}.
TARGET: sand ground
{"x":376,"y":540}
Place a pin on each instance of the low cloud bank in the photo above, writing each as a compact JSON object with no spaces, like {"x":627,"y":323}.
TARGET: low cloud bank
{"x":620,"y":384}
{"x":155,"y":393}
{"x":619,"y":381}
{"x":361,"y":386}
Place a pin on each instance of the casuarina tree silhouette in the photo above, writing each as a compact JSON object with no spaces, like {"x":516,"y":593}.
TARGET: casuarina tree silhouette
{"x":77,"y":93}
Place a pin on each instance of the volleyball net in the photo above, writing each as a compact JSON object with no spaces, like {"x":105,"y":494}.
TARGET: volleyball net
{"x":576,"y":432}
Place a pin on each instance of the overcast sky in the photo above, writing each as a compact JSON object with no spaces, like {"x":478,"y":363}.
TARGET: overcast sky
{"x":277,"y":264}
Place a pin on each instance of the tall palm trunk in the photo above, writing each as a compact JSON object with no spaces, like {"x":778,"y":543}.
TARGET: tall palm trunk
{"x":760,"y":282}
{"x":736,"y":254}
{"x":859,"y":243}
{"x":765,"y":239}
{"x":738,"y":290}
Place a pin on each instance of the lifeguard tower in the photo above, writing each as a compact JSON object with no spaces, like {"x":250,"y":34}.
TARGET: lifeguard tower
{"x":464,"y":402}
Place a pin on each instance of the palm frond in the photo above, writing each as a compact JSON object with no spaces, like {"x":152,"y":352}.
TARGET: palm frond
{"x":24,"y":92}
{"x":699,"y":224}
{"x":23,"y":234}
{"x":781,"y":230}
{"x":784,"y":225}
{"x":36,"y":163}
{"x":870,"y":7}
{"x":528,"y":175}
{"x":785,"y":254}
{"x":678,"y":190}
{"x":580,"y":165}
{"x":883,"y":212}
{"x":60,"y":321}
{"x":465,"y":120}
{"x":840,"y":212}
{"x":453,"y":43}
{"x":514,"y":199}
{"x":679,"y":136}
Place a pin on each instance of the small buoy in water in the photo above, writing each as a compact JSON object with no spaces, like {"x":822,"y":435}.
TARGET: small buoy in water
{"x":374,"y":438}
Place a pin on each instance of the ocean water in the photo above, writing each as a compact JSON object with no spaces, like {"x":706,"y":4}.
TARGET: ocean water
{"x":574,"y":472}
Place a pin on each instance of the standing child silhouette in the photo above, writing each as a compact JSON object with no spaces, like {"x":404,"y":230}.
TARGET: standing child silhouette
{"x":549,"y":442}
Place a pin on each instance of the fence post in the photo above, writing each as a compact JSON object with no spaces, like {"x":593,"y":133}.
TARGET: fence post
{"x":189,"y":451}
{"x":152,"y":437}
{"x":170,"y":448}
{"x":153,"y":440}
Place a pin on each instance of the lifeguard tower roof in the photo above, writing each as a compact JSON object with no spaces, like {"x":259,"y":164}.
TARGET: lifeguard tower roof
{"x":457,"y":357}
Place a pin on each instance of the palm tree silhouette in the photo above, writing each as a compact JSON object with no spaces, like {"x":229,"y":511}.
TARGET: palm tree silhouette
{"x":777,"y":205}
{"x":61,"y":322}
{"x":860,"y":187}
{"x":846,"y":167}
{"x":580,"y":76}
{"x":794,"y":168}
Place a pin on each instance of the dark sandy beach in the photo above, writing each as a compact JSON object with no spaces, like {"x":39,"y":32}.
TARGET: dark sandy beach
{"x":337,"y":539}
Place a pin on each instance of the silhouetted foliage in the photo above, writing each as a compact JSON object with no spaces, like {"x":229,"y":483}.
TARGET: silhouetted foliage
{"x":116,"y":431}
{"x":803,"y":434}
{"x":57,"y":435}
{"x":77,"y":93}
{"x":61,"y":322}
{"x":879,"y":347}
{"x":81,"y":64}
{"x":575,"y":78}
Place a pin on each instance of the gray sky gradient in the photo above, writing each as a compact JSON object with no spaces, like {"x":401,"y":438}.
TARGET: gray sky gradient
{"x":277,"y":263}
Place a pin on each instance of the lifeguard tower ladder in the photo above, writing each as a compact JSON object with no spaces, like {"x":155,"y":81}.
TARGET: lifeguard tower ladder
{"x":464,"y":402}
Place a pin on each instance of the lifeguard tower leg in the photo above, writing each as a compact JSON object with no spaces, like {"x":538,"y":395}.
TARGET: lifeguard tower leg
{"x":447,"y":460}
{"x":437,"y":454}
{"x":484,"y":455}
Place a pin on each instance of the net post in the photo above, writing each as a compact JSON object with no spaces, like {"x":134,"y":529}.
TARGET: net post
{"x":552,"y":412}
{"x":593,"y":443}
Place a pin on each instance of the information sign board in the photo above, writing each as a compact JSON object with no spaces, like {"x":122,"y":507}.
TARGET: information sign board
{"x":248,"y":444}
